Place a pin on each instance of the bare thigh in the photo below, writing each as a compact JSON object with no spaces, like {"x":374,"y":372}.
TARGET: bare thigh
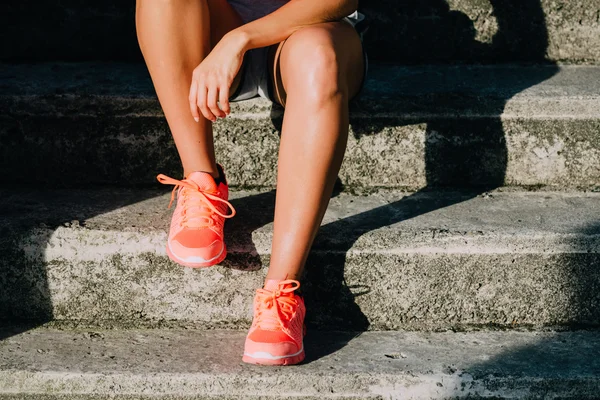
{"x":339,"y":36}
{"x":223,"y":19}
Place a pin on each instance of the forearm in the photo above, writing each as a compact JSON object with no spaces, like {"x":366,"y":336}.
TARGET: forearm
{"x":279,"y":25}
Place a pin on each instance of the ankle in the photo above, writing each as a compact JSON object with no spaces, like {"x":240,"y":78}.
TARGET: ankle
{"x":217,"y":173}
{"x":284,"y":270}
{"x":274,"y":281}
{"x":214,"y":174}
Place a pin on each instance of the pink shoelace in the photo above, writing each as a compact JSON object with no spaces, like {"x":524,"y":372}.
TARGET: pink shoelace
{"x":275,"y":309}
{"x":197,"y":204}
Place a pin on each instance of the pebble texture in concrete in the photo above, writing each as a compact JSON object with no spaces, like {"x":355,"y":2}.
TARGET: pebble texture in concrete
{"x":463,"y":126}
{"x":441,"y":31}
{"x":424,"y":31}
{"x":148,"y":364}
{"x":424,"y":261}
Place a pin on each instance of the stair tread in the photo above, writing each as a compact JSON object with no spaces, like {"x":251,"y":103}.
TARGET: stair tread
{"x":503,"y":220}
{"x":146,"y":363}
{"x":527,"y":90}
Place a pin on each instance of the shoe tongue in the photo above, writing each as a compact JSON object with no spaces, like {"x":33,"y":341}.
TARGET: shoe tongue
{"x":205,"y":181}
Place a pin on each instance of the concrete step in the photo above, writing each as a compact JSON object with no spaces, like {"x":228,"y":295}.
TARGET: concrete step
{"x":440,"y":31}
{"x":84,"y":124}
{"x":429,"y":31}
{"x":174,"y":364}
{"x":389,"y":261}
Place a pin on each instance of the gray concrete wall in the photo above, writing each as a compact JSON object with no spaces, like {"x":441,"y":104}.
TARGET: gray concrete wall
{"x":408,"y":31}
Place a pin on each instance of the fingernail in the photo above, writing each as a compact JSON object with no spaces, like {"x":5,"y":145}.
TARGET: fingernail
{"x":196,"y":119}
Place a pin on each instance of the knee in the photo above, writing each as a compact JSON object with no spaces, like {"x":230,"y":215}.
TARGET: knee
{"x":312,"y":67}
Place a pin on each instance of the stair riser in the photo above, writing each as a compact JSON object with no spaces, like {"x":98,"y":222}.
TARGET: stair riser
{"x":483,"y":30}
{"x":401,"y":152}
{"x":126,"y":277}
{"x":80,"y":124}
{"x":407,"y":32}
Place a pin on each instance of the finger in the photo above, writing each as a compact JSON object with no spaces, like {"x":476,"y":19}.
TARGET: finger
{"x":224,"y":99}
{"x":193,"y":98}
{"x":201,"y":102}
{"x":212,"y":96}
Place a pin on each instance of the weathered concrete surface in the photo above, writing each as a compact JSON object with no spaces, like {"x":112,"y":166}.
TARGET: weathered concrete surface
{"x":426,"y":31}
{"x":81,"y":124}
{"x":375,"y":365}
{"x":426,"y":261}
{"x":438,"y":31}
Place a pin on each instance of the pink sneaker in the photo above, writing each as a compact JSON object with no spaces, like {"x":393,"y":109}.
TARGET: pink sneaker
{"x":196,"y":234}
{"x":277,"y":333}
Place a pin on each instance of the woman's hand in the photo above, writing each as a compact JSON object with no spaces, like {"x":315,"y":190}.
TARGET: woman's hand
{"x":212,"y":79}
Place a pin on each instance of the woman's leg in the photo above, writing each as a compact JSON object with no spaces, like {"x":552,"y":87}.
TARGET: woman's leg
{"x":321,"y":67}
{"x":175,"y":36}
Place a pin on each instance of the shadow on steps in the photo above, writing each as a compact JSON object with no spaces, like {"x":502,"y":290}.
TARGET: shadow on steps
{"x":553,"y":358}
{"x":24,"y":293}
